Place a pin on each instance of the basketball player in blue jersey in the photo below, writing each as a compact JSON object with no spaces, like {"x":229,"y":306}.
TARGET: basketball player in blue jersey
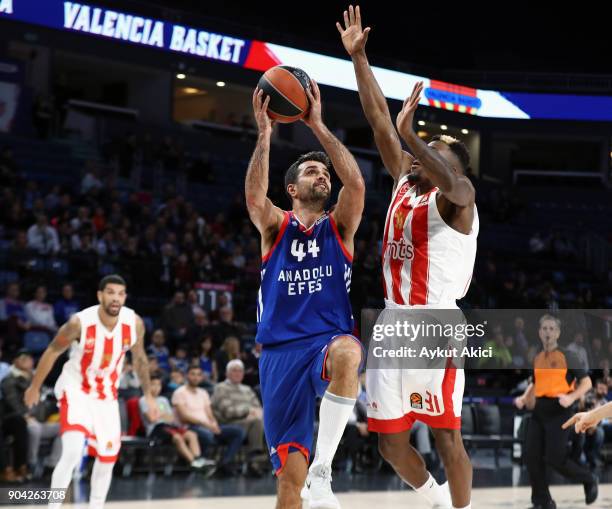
{"x":304,"y":313}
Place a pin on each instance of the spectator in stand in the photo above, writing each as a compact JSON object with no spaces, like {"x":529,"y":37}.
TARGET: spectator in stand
{"x":183,"y":273}
{"x":14,"y":386}
{"x":159,"y":350}
{"x":42,"y":238}
{"x":595,"y":437}
{"x":66,"y":306}
{"x":39,"y":313}
{"x":226,"y":325}
{"x":166,"y":267}
{"x":176,"y":318}
{"x":501,"y":356}
{"x":577,"y":346}
{"x":20,"y":254}
{"x":177,"y":379}
{"x":91,"y":180}
{"x":13,"y":310}
{"x":521,"y":344}
{"x":192,"y":298}
{"x":154,"y":368}
{"x":199,"y":329}
{"x":228,"y":352}
{"x":194,"y":409}
{"x":14,"y":413}
{"x":206,"y":359}
{"x":129,"y":384}
{"x":167,"y":430}
{"x":237,"y":404}
{"x":180,"y":360}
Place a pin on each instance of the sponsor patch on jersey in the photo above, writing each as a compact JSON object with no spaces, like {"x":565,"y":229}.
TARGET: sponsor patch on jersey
{"x":416,"y":401}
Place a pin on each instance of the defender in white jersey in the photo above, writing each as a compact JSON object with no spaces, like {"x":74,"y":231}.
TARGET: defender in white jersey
{"x":429,"y":248}
{"x":99,"y":338}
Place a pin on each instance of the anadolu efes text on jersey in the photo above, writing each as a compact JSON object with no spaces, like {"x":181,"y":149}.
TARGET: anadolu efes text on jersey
{"x":305,"y":283}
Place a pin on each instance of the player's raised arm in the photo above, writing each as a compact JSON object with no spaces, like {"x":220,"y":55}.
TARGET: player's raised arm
{"x":455,"y":187}
{"x":66,"y":334}
{"x":264,"y":214}
{"x":372,"y":99}
{"x":349,"y":207}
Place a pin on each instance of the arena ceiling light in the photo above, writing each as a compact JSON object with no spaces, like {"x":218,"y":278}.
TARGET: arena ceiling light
{"x":421,"y":122}
{"x":465,"y":131}
{"x":180,"y":76}
{"x":220,"y":83}
{"x":443,"y":127}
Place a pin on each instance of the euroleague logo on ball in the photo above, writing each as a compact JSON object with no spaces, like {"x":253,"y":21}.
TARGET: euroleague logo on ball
{"x":286,"y":87}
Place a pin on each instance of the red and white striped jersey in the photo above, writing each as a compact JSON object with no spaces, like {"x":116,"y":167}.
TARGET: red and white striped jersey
{"x":425,"y":261}
{"x":96,"y":360}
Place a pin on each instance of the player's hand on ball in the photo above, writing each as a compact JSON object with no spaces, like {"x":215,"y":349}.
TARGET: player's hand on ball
{"x":405,"y":117}
{"x":31,"y":397}
{"x":260,"y":109}
{"x":314,"y":116}
{"x":353,"y":37}
{"x":581,"y":421}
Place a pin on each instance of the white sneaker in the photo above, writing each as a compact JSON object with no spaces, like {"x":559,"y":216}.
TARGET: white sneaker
{"x":318,"y":486}
{"x":448,"y":502}
{"x":305,"y":493}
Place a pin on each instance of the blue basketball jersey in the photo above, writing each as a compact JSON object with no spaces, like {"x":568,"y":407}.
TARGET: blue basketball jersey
{"x":305,"y":282}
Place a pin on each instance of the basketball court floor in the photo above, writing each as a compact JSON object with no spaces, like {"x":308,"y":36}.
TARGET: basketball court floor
{"x":505,"y":487}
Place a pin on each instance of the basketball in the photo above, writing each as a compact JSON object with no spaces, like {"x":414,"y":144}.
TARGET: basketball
{"x":286,"y":87}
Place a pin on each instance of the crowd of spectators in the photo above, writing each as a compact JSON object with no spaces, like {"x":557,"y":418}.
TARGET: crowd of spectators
{"x":57,"y":241}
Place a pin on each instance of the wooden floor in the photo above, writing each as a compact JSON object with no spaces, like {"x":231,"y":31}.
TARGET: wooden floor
{"x":567,"y":497}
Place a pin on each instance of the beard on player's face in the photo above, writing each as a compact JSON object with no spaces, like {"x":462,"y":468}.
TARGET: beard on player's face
{"x":112,"y":307}
{"x":316,"y":192}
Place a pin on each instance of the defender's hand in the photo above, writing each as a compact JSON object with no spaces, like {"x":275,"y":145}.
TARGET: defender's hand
{"x":353,"y":37}
{"x":405,"y":117}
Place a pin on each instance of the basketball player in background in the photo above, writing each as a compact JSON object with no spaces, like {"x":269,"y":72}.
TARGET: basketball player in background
{"x":429,"y":249}
{"x":304,"y":313}
{"x":98,"y":338}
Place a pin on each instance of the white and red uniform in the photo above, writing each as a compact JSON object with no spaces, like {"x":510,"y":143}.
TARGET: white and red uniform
{"x":426,"y":264}
{"x":87,"y":388}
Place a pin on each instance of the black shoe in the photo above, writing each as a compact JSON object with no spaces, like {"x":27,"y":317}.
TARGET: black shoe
{"x":549,"y":505}
{"x":226,"y":471}
{"x":591,"y":490}
{"x":254,"y":471}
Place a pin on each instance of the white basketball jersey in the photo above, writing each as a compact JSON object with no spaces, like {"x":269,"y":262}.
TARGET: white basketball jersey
{"x":425,"y":261}
{"x":96,"y":361}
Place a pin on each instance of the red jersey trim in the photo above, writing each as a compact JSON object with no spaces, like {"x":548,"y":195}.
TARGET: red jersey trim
{"x":279,"y":236}
{"x":334,"y":226}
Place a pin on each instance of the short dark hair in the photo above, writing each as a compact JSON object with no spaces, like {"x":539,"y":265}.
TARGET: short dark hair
{"x":155,"y":376}
{"x":111,"y":279}
{"x":194,"y":366}
{"x":457,"y":147}
{"x":293,"y":172}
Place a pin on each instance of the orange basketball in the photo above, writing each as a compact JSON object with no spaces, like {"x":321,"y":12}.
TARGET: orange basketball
{"x":286,"y":87}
